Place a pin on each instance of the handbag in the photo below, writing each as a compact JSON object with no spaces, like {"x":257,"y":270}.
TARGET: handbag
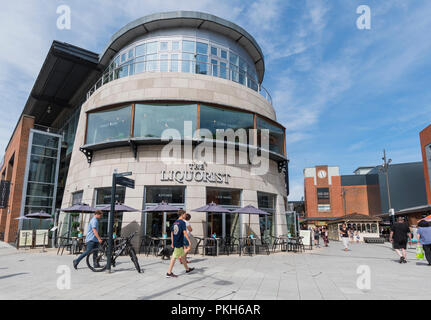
{"x":419,"y":253}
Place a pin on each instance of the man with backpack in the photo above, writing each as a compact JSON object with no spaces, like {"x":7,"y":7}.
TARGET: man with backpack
{"x":179,"y":231}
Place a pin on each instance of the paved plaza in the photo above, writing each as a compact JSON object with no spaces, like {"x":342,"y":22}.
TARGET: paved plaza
{"x":325,"y":273}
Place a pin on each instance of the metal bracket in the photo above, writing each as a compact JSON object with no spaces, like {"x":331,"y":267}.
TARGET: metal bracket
{"x":282,"y":166}
{"x":134,"y":147}
{"x":88,"y":154}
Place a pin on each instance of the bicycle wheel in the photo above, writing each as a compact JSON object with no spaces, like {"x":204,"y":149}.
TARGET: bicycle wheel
{"x":134,"y":258}
{"x":97,"y":260}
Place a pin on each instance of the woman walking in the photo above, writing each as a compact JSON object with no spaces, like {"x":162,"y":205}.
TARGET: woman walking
{"x":316,"y":237}
{"x":325,"y":236}
{"x":344,"y":234}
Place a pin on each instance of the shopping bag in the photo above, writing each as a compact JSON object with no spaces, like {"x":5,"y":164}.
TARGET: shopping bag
{"x":419,"y":253}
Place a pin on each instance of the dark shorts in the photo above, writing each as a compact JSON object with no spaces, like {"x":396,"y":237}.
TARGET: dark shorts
{"x":400,"y":244}
{"x":186,"y":243}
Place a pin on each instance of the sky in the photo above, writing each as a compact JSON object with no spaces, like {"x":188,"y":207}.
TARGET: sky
{"x":343,"y":94}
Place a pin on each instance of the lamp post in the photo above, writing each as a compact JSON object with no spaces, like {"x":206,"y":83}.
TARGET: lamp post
{"x":385,"y":169}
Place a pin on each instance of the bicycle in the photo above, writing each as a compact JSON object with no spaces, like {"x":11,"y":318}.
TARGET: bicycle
{"x":97,"y":258}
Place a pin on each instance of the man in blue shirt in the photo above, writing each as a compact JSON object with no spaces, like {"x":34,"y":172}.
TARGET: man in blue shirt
{"x":424,"y":236}
{"x":178,"y":232}
{"x":92,"y":240}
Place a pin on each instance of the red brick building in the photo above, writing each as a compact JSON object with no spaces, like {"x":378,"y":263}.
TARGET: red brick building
{"x":329,"y":195}
{"x":13,"y":170}
{"x":425,"y":139}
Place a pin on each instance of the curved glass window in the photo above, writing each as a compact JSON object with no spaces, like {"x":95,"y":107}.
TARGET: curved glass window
{"x":192,"y":55}
{"x":152,"y":119}
{"x":109,"y":125}
{"x":213,"y":118}
{"x":276,"y":136}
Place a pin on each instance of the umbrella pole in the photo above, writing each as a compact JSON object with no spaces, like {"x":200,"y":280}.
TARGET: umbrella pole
{"x":249,"y":225}
{"x":212,"y":223}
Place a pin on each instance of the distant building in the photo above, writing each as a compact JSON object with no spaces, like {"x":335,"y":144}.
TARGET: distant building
{"x":329,"y":195}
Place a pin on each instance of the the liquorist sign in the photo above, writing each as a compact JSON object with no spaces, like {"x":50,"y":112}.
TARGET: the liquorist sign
{"x":194,"y":172}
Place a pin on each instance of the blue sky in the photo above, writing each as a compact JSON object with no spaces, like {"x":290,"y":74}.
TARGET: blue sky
{"x":343,"y":94}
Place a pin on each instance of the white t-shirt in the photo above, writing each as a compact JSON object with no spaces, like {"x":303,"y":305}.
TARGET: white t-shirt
{"x":187,"y":227}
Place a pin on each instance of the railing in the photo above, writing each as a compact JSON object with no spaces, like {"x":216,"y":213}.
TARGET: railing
{"x":185,"y":66}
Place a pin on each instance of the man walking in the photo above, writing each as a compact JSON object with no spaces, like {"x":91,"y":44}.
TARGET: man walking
{"x":400,"y":235}
{"x":92,"y":239}
{"x":178,"y":232}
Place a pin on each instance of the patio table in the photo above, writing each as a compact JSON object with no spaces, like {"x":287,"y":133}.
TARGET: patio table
{"x":248,"y":242}
{"x":217,"y":244}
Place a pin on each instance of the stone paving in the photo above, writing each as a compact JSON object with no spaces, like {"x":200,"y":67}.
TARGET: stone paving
{"x":323,"y":273}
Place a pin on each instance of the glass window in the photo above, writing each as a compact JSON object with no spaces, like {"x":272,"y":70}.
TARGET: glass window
{"x":223,"y":54}
{"x":130,"y":56}
{"x":109,"y":125}
{"x":103,"y":195}
{"x":189,"y":46}
{"x":214,"y":68}
{"x":44,"y":152}
{"x":123,"y":57}
{"x":323,"y":195}
{"x":103,"y":198}
{"x":44,"y":140}
{"x":164,"y":46}
{"x":151,"y":62}
{"x":141,"y":50}
{"x":224,"y":197}
{"x":188,"y":62}
{"x":214,"y":51}
{"x":164,"y":62}
{"x":266,"y":202}
{"x":323,"y":207}
{"x":174,"y":63}
{"x":77,"y":197}
{"x":201,"y":64}
{"x":201,"y":48}
{"x":152,"y":47}
{"x":42,"y":169}
{"x":223,"y":70}
{"x":152,"y":120}
{"x":37,"y":190}
{"x":175,"y":45}
{"x":213,"y":118}
{"x":173,"y":195}
{"x":276,"y":135}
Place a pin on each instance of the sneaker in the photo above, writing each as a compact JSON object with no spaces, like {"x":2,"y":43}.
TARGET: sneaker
{"x":190,"y":270}
{"x":171,"y":275}
{"x":401,"y":260}
{"x":75,"y":265}
{"x":404,"y":260}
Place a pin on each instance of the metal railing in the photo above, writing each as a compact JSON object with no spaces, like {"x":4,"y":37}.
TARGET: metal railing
{"x":185,"y":66}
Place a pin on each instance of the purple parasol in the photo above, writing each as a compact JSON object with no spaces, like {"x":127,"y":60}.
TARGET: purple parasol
{"x":162,"y":207}
{"x":80,"y":208}
{"x":119,"y":207}
{"x":250,"y":210}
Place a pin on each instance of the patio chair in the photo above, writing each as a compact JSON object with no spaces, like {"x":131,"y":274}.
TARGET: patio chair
{"x":263,"y":246}
{"x":197,"y":244}
{"x":229,"y":244}
{"x":145,"y":245}
{"x":65,"y":242}
{"x":277,"y":242}
{"x":246,"y":246}
{"x":210,"y":247}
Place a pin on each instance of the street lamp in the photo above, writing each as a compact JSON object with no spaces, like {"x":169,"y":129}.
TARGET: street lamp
{"x":385,"y":169}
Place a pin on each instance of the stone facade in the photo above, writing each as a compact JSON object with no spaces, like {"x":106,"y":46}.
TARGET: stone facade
{"x":148,"y":165}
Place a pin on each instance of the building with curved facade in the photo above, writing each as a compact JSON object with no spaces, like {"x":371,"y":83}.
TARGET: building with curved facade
{"x":172,"y":81}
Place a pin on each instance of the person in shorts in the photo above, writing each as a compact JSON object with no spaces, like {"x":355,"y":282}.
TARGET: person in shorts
{"x":344,"y":234}
{"x":187,"y":244}
{"x":400,"y":235}
{"x":178,"y":233}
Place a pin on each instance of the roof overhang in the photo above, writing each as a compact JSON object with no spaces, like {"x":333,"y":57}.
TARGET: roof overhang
{"x":65,"y":74}
{"x":191,"y":19}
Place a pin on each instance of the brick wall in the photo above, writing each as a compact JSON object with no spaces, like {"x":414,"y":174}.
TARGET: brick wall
{"x":425,"y":139}
{"x":17,"y":149}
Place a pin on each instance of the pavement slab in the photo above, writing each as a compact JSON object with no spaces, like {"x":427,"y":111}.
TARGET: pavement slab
{"x":326,"y":273}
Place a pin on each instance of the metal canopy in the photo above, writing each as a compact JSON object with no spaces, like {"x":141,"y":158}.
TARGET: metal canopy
{"x":191,"y":19}
{"x":64,"y":75}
